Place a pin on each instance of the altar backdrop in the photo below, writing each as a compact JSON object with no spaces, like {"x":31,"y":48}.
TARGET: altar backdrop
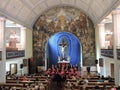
{"x":73,"y":48}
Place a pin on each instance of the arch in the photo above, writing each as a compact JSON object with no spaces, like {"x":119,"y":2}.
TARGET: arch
{"x":73,"y":49}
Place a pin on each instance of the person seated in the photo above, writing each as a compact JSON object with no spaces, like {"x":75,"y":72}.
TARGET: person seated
{"x":71,"y":71}
{"x":97,"y":87}
{"x":85,"y":83}
{"x":53,"y":67}
{"x":76,"y":74}
{"x":100,"y":80}
{"x":104,"y":87}
{"x":76,"y":66}
{"x":36,"y":86}
{"x":69,"y":85}
{"x":113,"y":88}
{"x":106,"y":81}
{"x":108,"y":77}
{"x":57,"y":70}
{"x":25,"y":78}
{"x":85,"y":80}
{"x":41,"y":86}
{"x":66,"y":71}
{"x":62,"y":73}
{"x":48,"y":71}
{"x":73,"y":77}
{"x":52,"y":74}
{"x":102,"y":77}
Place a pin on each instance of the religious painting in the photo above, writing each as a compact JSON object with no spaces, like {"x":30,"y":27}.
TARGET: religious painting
{"x":13,"y":33}
{"x":101,"y":62}
{"x":12,"y":37}
{"x":25,"y":62}
{"x":108,"y":37}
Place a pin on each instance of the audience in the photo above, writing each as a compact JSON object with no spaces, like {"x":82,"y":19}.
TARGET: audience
{"x":100,"y":80}
{"x":85,"y":83}
{"x":60,"y":74}
{"x":25,"y":78}
{"x":113,"y":88}
{"x":97,"y":87}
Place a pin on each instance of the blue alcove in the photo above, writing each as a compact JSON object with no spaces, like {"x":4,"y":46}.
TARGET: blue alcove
{"x":54,"y":50}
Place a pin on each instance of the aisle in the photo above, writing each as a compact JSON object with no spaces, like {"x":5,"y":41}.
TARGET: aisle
{"x":55,"y":87}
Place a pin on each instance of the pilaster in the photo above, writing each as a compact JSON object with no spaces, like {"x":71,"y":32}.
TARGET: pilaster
{"x":3,"y":50}
{"x":116,"y":43}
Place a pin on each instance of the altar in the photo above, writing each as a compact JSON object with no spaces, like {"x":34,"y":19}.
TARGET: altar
{"x":63,"y":63}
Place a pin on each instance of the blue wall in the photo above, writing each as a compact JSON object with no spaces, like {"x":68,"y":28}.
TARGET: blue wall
{"x":73,"y":48}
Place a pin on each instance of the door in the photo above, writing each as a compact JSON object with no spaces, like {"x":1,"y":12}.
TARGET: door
{"x":13,"y":68}
{"x":112,"y":70}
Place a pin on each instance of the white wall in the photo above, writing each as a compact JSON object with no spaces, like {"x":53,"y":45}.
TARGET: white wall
{"x":17,"y":61}
{"x":106,"y":69}
{"x":2,"y":49}
{"x":29,"y":46}
{"x":28,"y":54}
{"x":92,"y":69}
{"x":2,"y":71}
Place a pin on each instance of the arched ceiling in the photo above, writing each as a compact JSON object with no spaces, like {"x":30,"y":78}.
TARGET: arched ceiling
{"x":26,"y":12}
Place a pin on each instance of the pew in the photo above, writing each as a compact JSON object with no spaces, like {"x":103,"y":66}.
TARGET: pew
{"x":12,"y":85}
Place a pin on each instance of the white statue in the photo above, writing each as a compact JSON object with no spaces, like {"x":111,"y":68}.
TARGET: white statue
{"x":63,"y":47}
{"x":63,"y":50}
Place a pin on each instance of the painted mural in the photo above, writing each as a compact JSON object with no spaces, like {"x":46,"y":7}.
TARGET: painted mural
{"x":66,"y":19}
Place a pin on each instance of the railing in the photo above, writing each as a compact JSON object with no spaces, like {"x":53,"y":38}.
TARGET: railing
{"x":118,"y":53}
{"x":15,"y":54}
{"x":109,"y":53}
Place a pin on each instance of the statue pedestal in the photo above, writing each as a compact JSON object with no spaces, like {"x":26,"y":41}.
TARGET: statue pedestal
{"x":63,"y":63}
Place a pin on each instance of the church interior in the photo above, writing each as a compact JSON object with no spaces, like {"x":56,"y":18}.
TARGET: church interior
{"x":60,"y":44}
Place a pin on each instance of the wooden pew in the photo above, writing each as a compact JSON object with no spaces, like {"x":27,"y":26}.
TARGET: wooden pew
{"x":10,"y":85}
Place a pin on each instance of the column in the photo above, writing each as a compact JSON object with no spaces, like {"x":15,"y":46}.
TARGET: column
{"x":100,"y":40}
{"x":23,"y":38}
{"x":3,"y":50}
{"x":23,"y":47}
{"x":97,"y":46}
{"x":102,"y":35}
{"x":28,"y":46}
{"x":116,"y":43}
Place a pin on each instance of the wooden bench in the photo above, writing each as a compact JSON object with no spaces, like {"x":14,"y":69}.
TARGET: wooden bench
{"x":10,"y":85}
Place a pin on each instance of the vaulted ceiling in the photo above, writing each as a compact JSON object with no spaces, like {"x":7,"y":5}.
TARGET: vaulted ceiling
{"x":26,"y":12}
